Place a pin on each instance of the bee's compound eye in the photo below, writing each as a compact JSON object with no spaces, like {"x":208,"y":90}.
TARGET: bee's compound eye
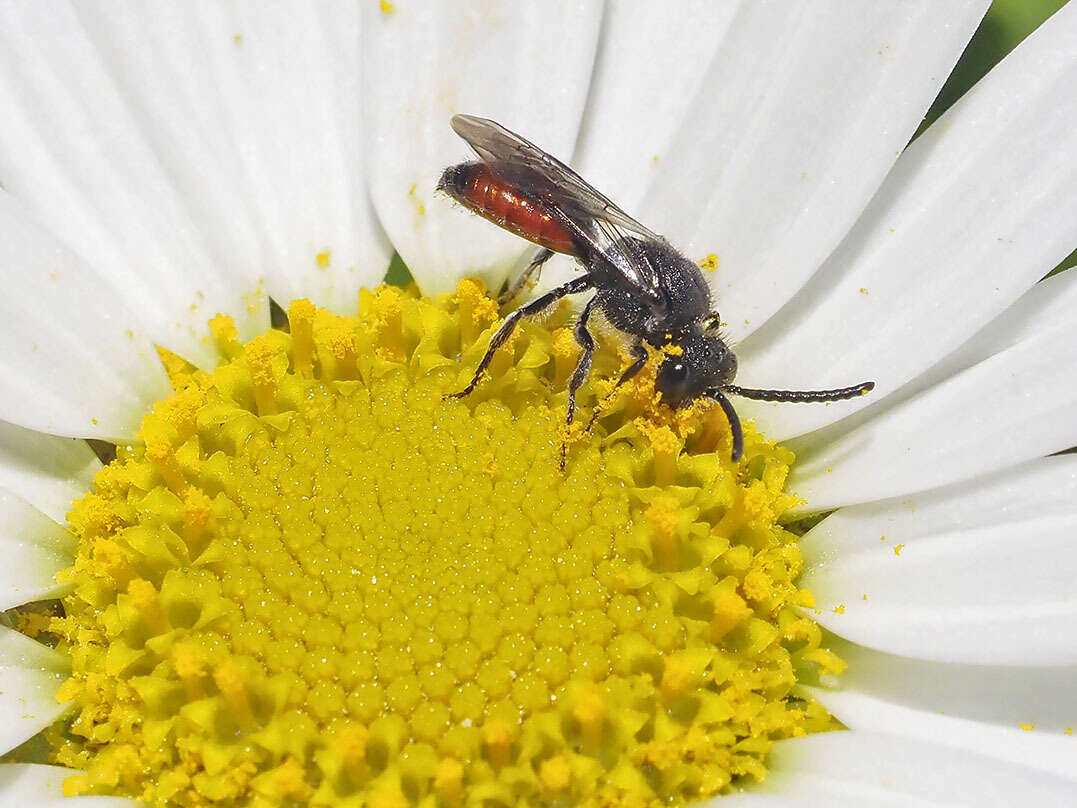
{"x":673,"y":381}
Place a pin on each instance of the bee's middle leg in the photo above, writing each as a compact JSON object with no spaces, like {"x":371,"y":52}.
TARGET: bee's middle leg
{"x":577,"y":284}
{"x":583,"y":366}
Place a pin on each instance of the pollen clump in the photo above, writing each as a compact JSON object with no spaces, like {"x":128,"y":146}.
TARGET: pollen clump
{"x":318,"y":582}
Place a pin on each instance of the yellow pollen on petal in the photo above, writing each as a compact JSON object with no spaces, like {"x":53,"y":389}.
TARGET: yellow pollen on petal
{"x":315,"y":581}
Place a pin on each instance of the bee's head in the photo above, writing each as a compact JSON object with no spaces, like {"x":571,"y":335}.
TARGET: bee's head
{"x":705,"y":363}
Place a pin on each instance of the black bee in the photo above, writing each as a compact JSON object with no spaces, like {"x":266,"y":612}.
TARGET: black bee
{"x":643,"y":286}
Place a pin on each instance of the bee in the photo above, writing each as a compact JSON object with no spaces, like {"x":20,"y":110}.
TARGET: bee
{"x":642,"y":285}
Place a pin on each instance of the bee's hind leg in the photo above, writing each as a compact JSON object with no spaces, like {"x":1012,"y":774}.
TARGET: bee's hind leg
{"x":541,"y":257}
{"x":583,"y":366}
{"x":577,"y":284}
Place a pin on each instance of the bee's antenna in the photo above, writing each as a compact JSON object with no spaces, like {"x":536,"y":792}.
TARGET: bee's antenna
{"x":801,"y":396}
{"x":734,"y":421}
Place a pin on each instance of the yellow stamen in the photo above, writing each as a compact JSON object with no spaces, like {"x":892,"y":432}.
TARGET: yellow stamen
{"x":190,"y":665}
{"x":224,"y":332}
{"x":497,"y":737}
{"x":162,"y":456}
{"x":197,"y":512}
{"x":301,"y":322}
{"x":263,"y":378}
{"x":476,"y":311}
{"x":230,"y":681}
{"x":144,"y":598}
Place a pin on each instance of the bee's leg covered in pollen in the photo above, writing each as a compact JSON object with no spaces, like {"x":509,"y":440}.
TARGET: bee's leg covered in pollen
{"x":639,"y":353}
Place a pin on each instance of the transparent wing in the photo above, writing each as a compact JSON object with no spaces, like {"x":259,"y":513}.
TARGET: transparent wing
{"x":589,"y":214}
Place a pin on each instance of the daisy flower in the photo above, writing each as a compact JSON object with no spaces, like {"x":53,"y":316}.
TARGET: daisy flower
{"x":307,"y":579}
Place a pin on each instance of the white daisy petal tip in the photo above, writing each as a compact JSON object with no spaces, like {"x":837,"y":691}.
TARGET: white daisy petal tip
{"x":30,"y":676}
{"x":34,"y":549}
{"x":48,"y":472}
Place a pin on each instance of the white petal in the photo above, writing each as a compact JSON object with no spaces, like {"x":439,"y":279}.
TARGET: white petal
{"x":77,"y":362}
{"x":976,"y":210}
{"x":1019,"y":715}
{"x":802,"y":112}
{"x":1043,"y":308}
{"x":858,"y":769}
{"x":525,"y":65}
{"x":282,"y":183}
{"x":649,"y":67}
{"x":1046,"y":306}
{"x":70,"y":149}
{"x":979,"y":573}
{"x":1042,"y":488}
{"x":30,"y":675}
{"x":48,"y":472}
{"x":34,"y":549}
{"x":1013,"y":406}
{"x":30,"y":784}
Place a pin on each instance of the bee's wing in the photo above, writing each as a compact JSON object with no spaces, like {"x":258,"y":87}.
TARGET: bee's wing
{"x":589,"y":214}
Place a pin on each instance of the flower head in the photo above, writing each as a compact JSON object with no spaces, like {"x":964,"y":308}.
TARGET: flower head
{"x":630,"y":630}
{"x":314,"y":579}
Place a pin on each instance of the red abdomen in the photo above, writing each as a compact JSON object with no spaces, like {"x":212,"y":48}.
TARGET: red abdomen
{"x":478,"y":188}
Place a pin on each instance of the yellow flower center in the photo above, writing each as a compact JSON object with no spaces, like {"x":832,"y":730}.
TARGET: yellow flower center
{"x":316,"y":582}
